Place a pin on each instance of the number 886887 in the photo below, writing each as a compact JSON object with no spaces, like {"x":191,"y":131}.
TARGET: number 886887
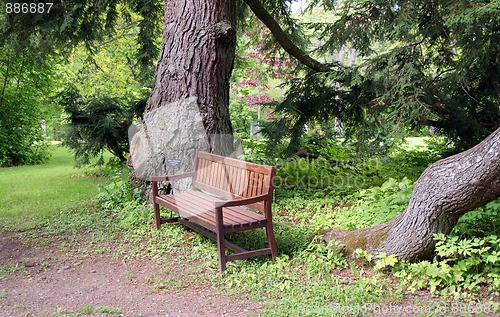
{"x":27,"y":8}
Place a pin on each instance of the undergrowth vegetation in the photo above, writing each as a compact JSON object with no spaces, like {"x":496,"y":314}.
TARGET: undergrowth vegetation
{"x":308,"y":278}
{"x":311,"y":279}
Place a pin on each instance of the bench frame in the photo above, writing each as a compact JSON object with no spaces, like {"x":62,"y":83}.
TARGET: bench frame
{"x":213,"y":207}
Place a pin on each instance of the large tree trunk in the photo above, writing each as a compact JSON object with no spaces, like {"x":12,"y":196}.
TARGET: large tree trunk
{"x":445,"y":191}
{"x":189,"y":105}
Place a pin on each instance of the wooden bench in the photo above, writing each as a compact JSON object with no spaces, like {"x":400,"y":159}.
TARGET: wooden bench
{"x":227,"y":195}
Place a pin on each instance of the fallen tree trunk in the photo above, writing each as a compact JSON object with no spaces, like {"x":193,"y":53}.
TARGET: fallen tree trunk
{"x":445,"y":191}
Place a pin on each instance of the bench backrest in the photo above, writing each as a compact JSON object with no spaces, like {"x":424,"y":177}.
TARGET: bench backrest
{"x":231,"y":178}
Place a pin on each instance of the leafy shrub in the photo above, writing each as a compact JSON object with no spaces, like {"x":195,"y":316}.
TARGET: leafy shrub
{"x":338,"y":171}
{"x":255,"y":151}
{"x":333,"y":149}
{"x":120,"y":200}
{"x":110,"y":169}
{"x":300,"y":176}
{"x":98,"y":123}
{"x":460,"y":265}
{"x":362,"y":209}
{"x":21,"y":140}
{"x":403,"y":162}
{"x":241,"y":118}
{"x":480,"y":222}
{"x":376,"y":204}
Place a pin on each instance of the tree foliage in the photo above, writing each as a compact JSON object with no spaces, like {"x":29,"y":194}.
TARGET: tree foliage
{"x":57,"y":37}
{"x":434,"y":63}
{"x":103,"y":95}
{"x":24,"y":83}
{"x":72,"y":22}
{"x":97,"y":123}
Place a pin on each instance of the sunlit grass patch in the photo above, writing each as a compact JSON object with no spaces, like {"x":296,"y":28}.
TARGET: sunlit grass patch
{"x":87,"y":310}
{"x":32,"y":193}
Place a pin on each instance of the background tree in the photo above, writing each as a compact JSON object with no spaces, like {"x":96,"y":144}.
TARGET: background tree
{"x":256,"y":81}
{"x":44,"y":40}
{"x":422,"y":63}
{"x":102,"y":96}
{"x":97,"y":123}
{"x":24,"y":83}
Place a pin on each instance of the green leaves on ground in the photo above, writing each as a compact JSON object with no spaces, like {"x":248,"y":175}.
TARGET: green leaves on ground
{"x":460,"y":265}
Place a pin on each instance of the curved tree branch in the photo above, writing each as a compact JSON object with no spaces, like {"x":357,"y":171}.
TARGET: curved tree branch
{"x":445,"y":191}
{"x":282,"y":38}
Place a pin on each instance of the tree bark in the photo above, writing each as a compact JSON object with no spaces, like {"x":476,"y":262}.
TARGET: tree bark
{"x":196,"y":59}
{"x":445,"y":191}
{"x":189,"y":105}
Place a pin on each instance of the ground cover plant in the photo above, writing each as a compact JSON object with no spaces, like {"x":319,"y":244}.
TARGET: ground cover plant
{"x":308,"y":278}
{"x":312,"y":279}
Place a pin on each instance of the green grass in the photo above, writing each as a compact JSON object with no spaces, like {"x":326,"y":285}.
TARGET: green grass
{"x":30,"y":194}
{"x":88,"y":310}
{"x":415,"y":142}
{"x":3,"y":294}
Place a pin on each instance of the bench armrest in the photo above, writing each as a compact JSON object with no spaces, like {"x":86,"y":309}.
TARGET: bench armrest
{"x":240,"y":202}
{"x":171,"y":177}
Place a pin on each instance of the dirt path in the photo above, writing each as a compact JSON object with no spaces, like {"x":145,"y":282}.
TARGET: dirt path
{"x":50,"y":284}
{"x":38,"y":278}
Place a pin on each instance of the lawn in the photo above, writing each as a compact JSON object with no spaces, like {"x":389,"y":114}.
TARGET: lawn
{"x":30,"y":194}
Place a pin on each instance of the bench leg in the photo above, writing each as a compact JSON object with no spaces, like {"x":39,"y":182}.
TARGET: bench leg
{"x":221,"y":243}
{"x":271,"y":240}
{"x":157,"y":216}
{"x":221,"y":247}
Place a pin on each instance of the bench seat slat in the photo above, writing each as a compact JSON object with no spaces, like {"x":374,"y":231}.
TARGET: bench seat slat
{"x":192,"y":208}
{"x":196,"y":206}
{"x":237,"y":214}
{"x":185,"y":210}
{"x":229,"y":219}
{"x":233,"y":216}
